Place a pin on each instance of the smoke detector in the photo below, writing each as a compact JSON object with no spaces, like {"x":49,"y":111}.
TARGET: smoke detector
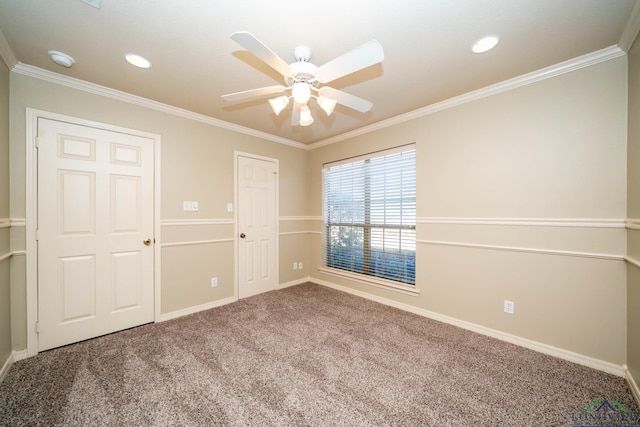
{"x":94,"y":3}
{"x":61,"y":58}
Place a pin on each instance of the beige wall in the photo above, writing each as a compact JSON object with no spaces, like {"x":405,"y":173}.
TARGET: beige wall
{"x":197,"y":165}
{"x":5,"y":295}
{"x":555,"y":149}
{"x":633,"y":213}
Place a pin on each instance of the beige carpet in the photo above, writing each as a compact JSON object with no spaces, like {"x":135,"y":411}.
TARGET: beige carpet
{"x":305,"y":355}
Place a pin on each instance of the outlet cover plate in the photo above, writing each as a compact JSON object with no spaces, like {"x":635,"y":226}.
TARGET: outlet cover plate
{"x":509,"y":307}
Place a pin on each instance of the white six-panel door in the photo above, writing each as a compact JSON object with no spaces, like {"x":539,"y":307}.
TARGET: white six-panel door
{"x":257,"y":248}
{"x":95,"y":232}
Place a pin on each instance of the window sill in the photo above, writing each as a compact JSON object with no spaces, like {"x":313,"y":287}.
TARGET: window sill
{"x":372,"y":281}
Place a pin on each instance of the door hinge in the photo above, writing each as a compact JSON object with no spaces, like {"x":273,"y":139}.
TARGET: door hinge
{"x":36,"y":141}
{"x":37,"y":327}
{"x":37,"y":235}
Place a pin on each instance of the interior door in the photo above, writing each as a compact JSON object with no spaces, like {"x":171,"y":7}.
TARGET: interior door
{"x":257,"y":245}
{"x":95,"y":232}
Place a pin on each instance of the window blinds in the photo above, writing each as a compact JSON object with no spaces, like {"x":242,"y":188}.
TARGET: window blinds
{"x":369,"y":213}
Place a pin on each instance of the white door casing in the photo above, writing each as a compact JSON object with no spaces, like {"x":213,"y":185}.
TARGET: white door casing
{"x":256,"y":203}
{"x":95,"y":208}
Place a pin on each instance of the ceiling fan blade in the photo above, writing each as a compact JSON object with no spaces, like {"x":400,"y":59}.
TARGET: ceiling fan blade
{"x":255,"y":46}
{"x":361,"y":57}
{"x":295,"y":114}
{"x":254,"y":93}
{"x":346,"y":99}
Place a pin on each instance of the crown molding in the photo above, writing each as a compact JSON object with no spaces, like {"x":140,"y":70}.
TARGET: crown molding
{"x":74,"y":83}
{"x":631,"y":29}
{"x":516,"y":82}
{"x":6,"y":53}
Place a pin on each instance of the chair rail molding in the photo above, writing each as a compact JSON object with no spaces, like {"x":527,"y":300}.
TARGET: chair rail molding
{"x":528,"y":222}
{"x":202,"y":221}
{"x":610,"y":257}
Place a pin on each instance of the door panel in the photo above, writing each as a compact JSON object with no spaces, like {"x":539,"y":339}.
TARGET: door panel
{"x":95,"y":208}
{"x":257,"y":196}
{"x":77,"y":283}
{"x":126,"y":282}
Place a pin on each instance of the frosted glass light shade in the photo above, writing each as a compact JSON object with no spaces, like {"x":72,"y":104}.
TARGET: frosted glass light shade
{"x":327,"y":104}
{"x":301,"y":92}
{"x":278,"y":104}
{"x":305,"y":116}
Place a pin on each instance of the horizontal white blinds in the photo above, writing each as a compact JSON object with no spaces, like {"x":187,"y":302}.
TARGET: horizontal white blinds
{"x":370,"y":214}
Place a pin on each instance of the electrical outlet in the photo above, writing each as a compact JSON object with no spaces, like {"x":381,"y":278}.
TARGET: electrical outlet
{"x":300,"y":265}
{"x":214,"y":282}
{"x":509,"y":307}
{"x":295,"y":265}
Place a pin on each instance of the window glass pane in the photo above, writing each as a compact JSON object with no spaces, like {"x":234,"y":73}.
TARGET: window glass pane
{"x":369,"y":211}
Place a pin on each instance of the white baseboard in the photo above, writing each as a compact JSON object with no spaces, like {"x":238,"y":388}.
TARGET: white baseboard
{"x":197,"y":308}
{"x":570,"y":356}
{"x":218,"y":303}
{"x":5,"y":367}
{"x":19,"y":355}
{"x":635,"y":390}
{"x":293,"y":283}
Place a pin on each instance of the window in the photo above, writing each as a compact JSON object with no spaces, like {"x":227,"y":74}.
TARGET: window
{"x":369,"y":214}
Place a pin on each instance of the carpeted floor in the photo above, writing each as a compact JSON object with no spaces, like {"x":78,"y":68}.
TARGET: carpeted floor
{"x":305,"y":355}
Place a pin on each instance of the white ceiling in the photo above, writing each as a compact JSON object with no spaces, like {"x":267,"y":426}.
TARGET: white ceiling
{"x":426,"y":44}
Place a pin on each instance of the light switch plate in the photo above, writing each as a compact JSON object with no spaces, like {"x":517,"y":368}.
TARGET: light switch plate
{"x":190,"y":206}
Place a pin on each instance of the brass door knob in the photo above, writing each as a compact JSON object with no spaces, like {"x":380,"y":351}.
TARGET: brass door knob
{"x":147,"y":242}
{"x":242,"y":235}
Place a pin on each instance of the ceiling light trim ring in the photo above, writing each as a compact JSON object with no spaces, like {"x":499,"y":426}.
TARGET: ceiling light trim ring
{"x":137,"y":60}
{"x":486,"y":43}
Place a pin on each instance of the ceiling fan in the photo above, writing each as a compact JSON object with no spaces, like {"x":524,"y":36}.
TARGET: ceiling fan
{"x":304,"y":80}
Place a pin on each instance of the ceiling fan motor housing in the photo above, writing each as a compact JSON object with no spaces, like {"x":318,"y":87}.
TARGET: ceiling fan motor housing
{"x":303,"y":71}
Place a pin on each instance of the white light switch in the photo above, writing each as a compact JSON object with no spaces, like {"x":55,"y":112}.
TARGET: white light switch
{"x":190,"y":206}
{"x":229,"y":207}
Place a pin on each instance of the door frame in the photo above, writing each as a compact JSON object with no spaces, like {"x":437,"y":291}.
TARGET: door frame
{"x":32,"y":116}
{"x":276,"y":216}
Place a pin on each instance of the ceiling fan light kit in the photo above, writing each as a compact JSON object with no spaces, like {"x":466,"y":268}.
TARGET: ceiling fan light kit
{"x":305,"y":116}
{"x":327,"y":104}
{"x":278,"y":104}
{"x":303,"y":78}
{"x":301,"y":92}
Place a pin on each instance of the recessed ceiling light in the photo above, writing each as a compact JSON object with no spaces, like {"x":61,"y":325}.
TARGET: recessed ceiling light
{"x":137,"y":60}
{"x":485,"y":44}
{"x":61,"y":58}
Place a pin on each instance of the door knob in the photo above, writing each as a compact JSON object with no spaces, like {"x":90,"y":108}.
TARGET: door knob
{"x":242,"y":235}
{"x":147,"y":242}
